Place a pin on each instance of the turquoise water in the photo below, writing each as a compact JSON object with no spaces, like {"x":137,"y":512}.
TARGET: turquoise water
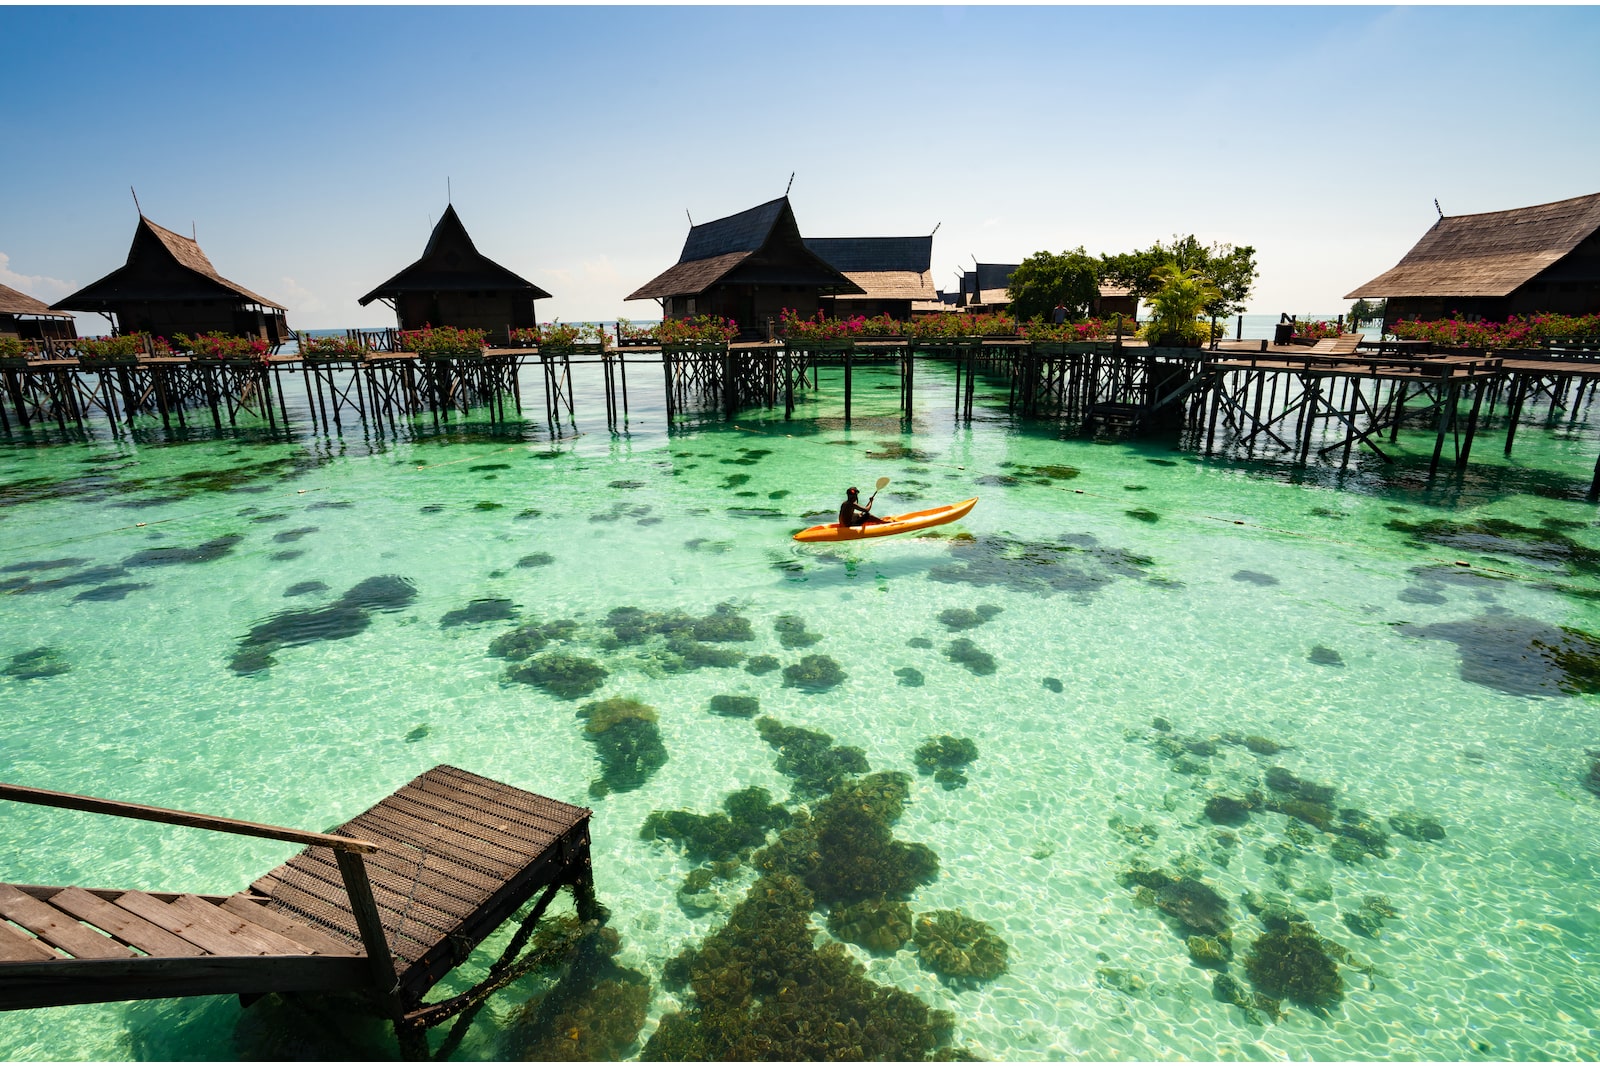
{"x":1147,"y":612}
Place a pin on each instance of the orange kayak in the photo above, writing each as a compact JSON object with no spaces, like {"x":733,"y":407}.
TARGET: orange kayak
{"x":905,"y":523}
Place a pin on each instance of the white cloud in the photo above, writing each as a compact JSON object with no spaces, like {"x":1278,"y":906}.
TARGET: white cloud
{"x":36,"y":285}
{"x":297,"y":298}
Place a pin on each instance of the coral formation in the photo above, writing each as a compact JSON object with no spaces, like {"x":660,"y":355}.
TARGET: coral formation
{"x":761,"y":990}
{"x":719,"y":837}
{"x":814,"y":673}
{"x":1416,"y":825}
{"x":1053,"y":684}
{"x":1211,"y":951}
{"x":1228,"y":810}
{"x":882,"y":926}
{"x":722,"y":625}
{"x":594,"y":1009}
{"x":944,"y":757}
{"x":731,"y":706}
{"x":562,"y":675}
{"x":963,"y":651}
{"x":487,"y":609}
{"x":909,"y":677}
{"x":1520,"y":656}
{"x":810,"y":758}
{"x":38,"y":662}
{"x":761,"y":664}
{"x":1294,"y":964}
{"x":692,"y":654}
{"x":957,"y":946}
{"x":846,"y":850}
{"x":346,"y":616}
{"x":791,"y":630}
{"x":959,"y":618}
{"x":603,"y":714}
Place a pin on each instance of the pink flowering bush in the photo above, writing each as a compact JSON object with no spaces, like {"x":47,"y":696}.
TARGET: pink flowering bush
{"x":1316,"y":331}
{"x":700,"y":328}
{"x":1518,"y":331}
{"x":332,"y":347}
{"x":558,"y":335}
{"x":443,"y":341}
{"x":1092,"y":329}
{"x":124,"y":344}
{"x":221,"y":346}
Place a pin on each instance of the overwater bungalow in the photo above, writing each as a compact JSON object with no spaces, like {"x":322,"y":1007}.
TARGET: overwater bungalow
{"x":23,"y":317}
{"x":748,"y":267}
{"x":987,"y":288}
{"x":1497,"y":264}
{"x":454,"y":284}
{"x":895,"y":275}
{"x":168,"y":286}
{"x":983,"y":288}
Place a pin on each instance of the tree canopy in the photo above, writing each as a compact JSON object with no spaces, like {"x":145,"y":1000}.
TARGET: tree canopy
{"x":1230,"y":270}
{"x":1045,"y":277}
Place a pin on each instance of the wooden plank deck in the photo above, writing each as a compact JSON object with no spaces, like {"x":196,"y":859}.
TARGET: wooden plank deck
{"x":460,"y":853}
{"x":457,"y":855}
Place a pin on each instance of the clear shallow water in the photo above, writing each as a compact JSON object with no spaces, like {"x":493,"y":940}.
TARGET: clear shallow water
{"x":1152,"y":585}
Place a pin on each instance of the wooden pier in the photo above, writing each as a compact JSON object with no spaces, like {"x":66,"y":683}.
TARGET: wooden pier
{"x":1248,"y":397}
{"x":383,"y":907}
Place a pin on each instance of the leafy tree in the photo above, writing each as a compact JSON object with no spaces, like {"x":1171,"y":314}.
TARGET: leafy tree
{"x":1362,"y":311}
{"x":1230,"y":270}
{"x":1044,"y":277}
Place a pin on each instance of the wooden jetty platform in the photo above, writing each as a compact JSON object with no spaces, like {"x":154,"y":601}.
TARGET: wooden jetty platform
{"x":1248,"y":396}
{"x":384,"y":906}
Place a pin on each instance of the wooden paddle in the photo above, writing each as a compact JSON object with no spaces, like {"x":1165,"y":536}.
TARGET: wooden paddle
{"x":883,"y":483}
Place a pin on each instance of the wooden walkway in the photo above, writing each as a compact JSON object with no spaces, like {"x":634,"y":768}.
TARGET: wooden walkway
{"x":386,"y":905}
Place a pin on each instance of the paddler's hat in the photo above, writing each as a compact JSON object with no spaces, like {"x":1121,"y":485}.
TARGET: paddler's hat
{"x":852,"y":491}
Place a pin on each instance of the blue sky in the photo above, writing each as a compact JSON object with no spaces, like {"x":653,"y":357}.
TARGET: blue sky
{"x":309,"y":148}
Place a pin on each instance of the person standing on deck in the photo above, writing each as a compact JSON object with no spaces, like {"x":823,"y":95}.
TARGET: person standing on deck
{"x":1059,"y":315}
{"x":852,"y":513}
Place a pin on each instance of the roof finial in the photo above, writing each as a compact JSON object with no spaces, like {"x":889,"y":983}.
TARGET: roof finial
{"x":689,"y":217}
{"x":194,"y":234}
{"x":789,"y":186}
{"x":936,"y":226}
{"x":136,"y":206}
{"x":447,"y":193}
{"x":1436,"y":207}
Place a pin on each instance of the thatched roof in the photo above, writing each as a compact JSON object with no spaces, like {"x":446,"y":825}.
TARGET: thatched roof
{"x":452,"y":263}
{"x":13,"y":302}
{"x":886,"y":268}
{"x":760,"y":246}
{"x":1490,"y":254}
{"x":162,"y":265}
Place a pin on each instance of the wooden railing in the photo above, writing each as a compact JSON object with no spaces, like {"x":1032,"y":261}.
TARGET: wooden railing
{"x":347,"y":852}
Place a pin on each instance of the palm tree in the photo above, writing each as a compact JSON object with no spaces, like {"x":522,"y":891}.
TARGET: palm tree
{"x":1177,"y":304}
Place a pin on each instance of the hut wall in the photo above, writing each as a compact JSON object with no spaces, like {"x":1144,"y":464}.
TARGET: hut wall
{"x":899,"y":310}
{"x":486,"y":310}
{"x":36,"y":328}
{"x":167,"y":318}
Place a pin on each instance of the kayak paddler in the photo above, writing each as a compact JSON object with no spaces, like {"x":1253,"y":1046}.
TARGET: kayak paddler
{"x":851,"y":513}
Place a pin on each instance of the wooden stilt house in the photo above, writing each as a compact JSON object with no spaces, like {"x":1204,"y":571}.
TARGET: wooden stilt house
{"x":24,"y":317}
{"x":895,"y":274}
{"x":748,"y":267}
{"x":168,"y":286}
{"x":454,"y":284}
{"x":1497,"y":264}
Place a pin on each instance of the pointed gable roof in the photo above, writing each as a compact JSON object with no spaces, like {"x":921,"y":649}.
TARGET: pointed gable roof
{"x":764,"y":239}
{"x":1489,"y":254}
{"x":162,"y":265}
{"x":886,"y":268}
{"x":452,"y":263}
{"x":13,"y":302}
